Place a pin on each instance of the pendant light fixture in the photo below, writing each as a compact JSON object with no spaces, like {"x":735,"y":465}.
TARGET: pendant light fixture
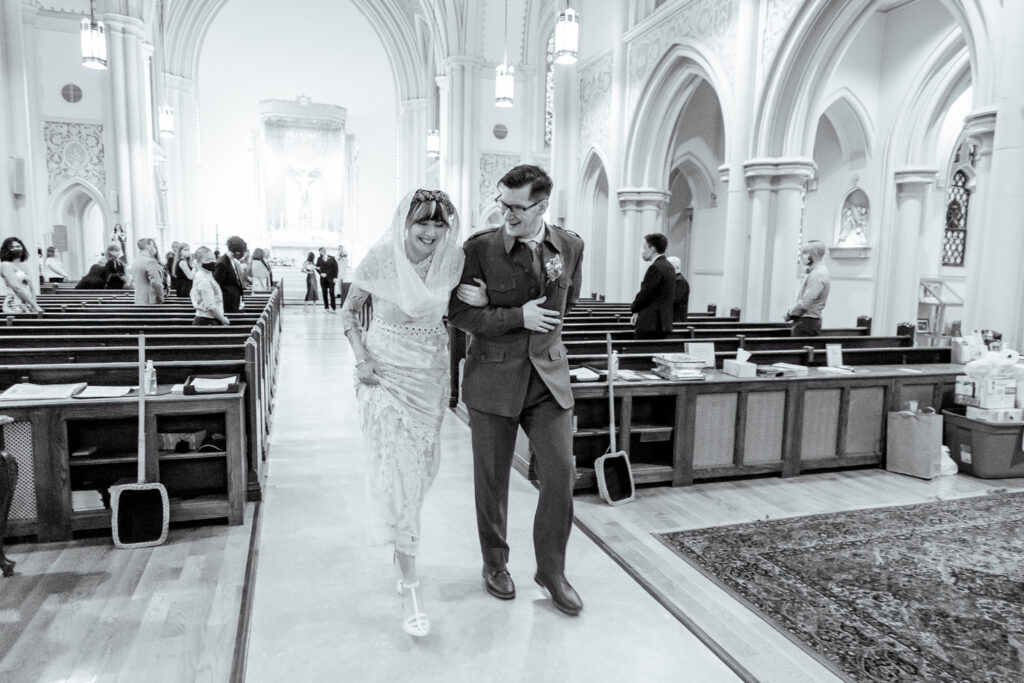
{"x":94,"y":40}
{"x":165,"y":114}
{"x":165,"y":121}
{"x":567,"y":36}
{"x":505,"y":75}
{"x":434,"y":143}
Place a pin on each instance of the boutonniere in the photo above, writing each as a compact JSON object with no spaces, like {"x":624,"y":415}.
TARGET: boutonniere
{"x":553,"y":267}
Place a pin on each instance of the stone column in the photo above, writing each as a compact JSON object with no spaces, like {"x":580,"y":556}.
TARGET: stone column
{"x":20,"y":214}
{"x":643,"y":212}
{"x":756,"y":285}
{"x":459,"y":166}
{"x":615,"y":229}
{"x":897,"y":290}
{"x":184,"y":189}
{"x":412,"y":144}
{"x":777,"y":189}
{"x":132,"y":165}
{"x":986,"y":237}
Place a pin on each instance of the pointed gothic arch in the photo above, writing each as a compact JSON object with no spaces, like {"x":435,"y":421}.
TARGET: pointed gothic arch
{"x":593,"y":213}
{"x":71,"y":203}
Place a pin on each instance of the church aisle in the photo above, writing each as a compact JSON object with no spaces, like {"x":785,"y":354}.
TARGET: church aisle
{"x":324,"y":603}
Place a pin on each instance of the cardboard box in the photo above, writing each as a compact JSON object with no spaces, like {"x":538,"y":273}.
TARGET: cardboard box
{"x":996,"y":415}
{"x":731,"y":366}
{"x":985,"y":393}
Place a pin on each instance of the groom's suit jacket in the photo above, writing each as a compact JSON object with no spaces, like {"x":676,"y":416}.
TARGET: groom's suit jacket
{"x":501,"y":351}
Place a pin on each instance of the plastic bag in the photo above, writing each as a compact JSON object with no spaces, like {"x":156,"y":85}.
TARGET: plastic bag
{"x":993,"y":364}
{"x":948,"y":464}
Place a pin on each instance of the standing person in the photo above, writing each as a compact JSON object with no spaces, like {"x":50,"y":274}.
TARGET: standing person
{"x":228,"y":274}
{"x":344,"y":274}
{"x":148,"y":274}
{"x":309,"y":268}
{"x":805,"y":314}
{"x":262,"y":275}
{"x":205,"y":292}
{"x":53,"y":269}
{"x":18,"y":296}
{"x":169,"y":263}
{"x":327,"y":266}
{"x":681,"y":300}
{"x":402,"y":372}
{"x":115,"y":274}
{"x":652,"y":306}
{"x":183,"y":270}
{"x":517,"y":374}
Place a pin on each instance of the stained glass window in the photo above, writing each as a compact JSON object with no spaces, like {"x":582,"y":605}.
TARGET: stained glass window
{"x":549,"y":91}
{"x":954,"y":242}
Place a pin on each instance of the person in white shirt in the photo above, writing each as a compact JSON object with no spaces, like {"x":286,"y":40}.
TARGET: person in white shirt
{"x":205,"y":294}
{"x":53,"y":269}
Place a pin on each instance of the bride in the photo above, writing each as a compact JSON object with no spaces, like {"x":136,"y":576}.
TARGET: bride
{"x":402,"y":368}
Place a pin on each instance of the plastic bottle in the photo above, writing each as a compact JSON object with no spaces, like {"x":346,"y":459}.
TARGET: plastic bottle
{"x":613,"y":366}
{"x":150,"y":378}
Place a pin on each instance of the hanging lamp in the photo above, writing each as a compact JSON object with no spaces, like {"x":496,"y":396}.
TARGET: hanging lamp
{"x":505,"y":75}
{"x":433,"y":143}
{"x":165,"y":114}
{"x":94,"y":40}
{"x":567,"y":36}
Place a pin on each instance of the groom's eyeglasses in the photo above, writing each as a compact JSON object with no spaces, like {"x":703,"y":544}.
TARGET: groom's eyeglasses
{"x":518,"y":210}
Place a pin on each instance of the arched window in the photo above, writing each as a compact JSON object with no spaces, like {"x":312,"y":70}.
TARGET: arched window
{"x":954,"y":242}
{"x":549,"y":90}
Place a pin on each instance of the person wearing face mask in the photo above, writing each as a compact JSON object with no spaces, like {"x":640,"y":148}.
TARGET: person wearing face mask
{"x":805,"y":314}
{"x":148,"y":274}
{"x":15,"y":287}
{"x":114,"y":274}
{"x":205,"y":292}
{"x":402,"y":373}
{"x":228,"y":274}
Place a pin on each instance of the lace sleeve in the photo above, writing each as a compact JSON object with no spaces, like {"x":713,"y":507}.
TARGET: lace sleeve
{"x":350,"y":311}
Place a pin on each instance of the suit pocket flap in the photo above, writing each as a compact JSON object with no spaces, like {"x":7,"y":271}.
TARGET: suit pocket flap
{"x":556,"y":352}
{"x":502,"y":286}
{"x":489,"y":354}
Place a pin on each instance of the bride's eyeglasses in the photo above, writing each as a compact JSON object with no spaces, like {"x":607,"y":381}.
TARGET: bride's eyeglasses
{"x":518,"y":210}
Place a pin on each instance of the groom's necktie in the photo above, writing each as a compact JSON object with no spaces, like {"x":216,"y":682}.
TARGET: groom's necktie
{"x":535,"y":258}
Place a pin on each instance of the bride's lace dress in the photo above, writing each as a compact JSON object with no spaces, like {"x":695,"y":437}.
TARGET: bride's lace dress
{"x":401,"y":416}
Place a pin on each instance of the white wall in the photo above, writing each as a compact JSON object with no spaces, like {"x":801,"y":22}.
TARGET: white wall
{"x":262,"y":49}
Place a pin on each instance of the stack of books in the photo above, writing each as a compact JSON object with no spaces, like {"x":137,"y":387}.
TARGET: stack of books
{"x":791,"y":370}
{"x":82,"y":501}
{"x":678,"y":366}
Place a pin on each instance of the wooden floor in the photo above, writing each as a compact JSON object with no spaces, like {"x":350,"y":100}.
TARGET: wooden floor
{"x":323,"y":603}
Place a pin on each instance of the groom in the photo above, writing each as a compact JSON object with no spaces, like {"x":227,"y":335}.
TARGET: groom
{"x":517,"y":373}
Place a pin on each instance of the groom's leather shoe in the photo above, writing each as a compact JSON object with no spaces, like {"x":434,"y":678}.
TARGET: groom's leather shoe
{"x":498,"y":583}
{"x":564,"y":596}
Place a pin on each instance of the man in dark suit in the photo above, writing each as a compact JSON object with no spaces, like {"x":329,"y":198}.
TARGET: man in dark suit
{"x":227,"y":276}
{"x":681,"y":300}
{"x":517,"y":374}
{"x":652,"y":306}
{"x":327,"y":266}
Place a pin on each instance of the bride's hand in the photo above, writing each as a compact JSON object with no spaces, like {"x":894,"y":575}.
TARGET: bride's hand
{"x":365,"y":372}
{"x":473,"y":295}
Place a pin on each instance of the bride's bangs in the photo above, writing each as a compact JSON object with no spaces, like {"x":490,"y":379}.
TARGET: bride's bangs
{"x":428,"y":211}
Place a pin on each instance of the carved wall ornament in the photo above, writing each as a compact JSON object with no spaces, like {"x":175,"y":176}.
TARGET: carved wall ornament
{"x":711,"y":22}
{"x":74,"y":150}
{"x":595,"y":104}
{"x":778,"y":16}
{"x":854,"y":220}
{"x":492,"y":168}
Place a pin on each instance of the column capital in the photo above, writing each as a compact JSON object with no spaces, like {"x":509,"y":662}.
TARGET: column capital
{"x":639,"y":198}
{"x":723,"y":173}
{"x":179,"y":82}
{"x":413,"y":104}
{"x":461,"y":62}
{"x":980,"y":123}
{"x":914,"y":179}
{"x":779,"y":172}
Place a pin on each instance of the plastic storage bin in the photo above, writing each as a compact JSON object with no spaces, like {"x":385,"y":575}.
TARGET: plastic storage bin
{"x":984,"y":449}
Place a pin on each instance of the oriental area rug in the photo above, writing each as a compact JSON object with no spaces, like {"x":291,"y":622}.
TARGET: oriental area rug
{"x":931,"y":592}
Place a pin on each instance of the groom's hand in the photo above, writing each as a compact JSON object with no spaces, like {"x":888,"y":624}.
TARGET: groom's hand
{"x":537,"y":319}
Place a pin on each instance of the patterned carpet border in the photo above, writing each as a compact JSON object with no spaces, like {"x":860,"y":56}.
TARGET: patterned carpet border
{"x":932,"y":592}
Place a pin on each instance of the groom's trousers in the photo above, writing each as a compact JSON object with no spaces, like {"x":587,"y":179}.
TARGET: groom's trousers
{"x":549,"y":428}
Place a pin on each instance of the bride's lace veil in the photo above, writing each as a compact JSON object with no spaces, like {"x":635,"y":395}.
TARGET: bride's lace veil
{"x":386,"y":271}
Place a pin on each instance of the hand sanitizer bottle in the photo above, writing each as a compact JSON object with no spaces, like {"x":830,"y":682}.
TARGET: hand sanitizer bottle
{"x":150,"y":378}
